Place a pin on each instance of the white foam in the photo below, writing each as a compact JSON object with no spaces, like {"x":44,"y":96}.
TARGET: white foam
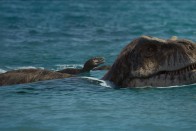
{"x":111,"y":85}
{"x":165,"y":87}
{"x":101,"y":82}
{"x":2,"y":71}
{"x":16,"y":68}
{"x":65,"y":66}
{"x":23,"y":67}
{"x":29,"y":67}
{"x":178,"y":86}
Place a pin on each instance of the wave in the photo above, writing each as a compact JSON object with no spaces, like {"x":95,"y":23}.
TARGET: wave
{"x":165,"y":87}
{"x":177,"y":86}
{"x":28,"y":67}
{"x":2,"y":71}
{"x":57,"y":67}
{"x":99,"y":82}
{"x":65,"y":66}
{"x":111,"y":85}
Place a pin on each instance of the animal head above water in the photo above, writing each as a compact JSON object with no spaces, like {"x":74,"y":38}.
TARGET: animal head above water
{"x":92,"y":63}
{"x":150,"y":61}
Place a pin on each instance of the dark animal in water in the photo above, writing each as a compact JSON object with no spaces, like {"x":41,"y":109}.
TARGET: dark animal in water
{"x":89,"y":65}
{"x":32,"y":75}
{"x":149,"y":61}
{"x":104,"y":67}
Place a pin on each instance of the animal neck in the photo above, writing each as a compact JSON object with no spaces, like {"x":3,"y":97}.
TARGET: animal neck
{"x":86,"y":69}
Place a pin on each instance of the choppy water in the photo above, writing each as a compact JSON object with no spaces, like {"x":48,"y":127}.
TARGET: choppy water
{"x":64,"y":33}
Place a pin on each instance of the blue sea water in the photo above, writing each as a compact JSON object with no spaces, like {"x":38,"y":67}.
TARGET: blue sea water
{"x":54,"y":34}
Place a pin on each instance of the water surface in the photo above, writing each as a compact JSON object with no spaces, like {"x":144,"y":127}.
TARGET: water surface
{"x":64,"y":33}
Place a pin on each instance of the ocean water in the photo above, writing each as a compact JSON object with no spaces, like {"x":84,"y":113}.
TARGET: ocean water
{"x":55,"y":34}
